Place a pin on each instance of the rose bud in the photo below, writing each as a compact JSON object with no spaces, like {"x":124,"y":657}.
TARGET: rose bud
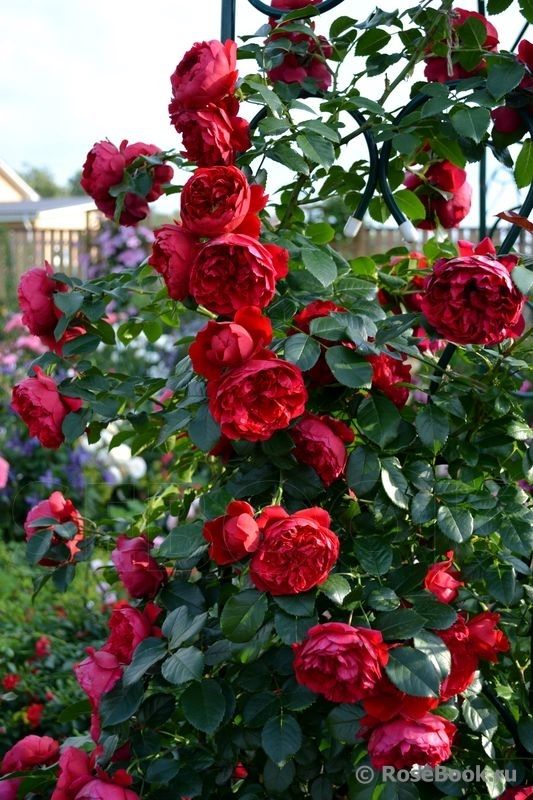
{"x":442,"y":580}
{"x":320,"y":442}
{"x":234,"y":535}
{"x":62,"y":510}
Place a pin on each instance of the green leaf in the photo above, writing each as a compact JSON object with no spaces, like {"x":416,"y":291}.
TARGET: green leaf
{"x":455,"y":523}
{"x":336,"y":588}
{"x":320,"y":264}
{"x":243,"y":615}
{"x":436,"y":615}
{"x":523,"y":279}
{"x":82,"y":708}
{"x":302,"y":350}
{"x":87,"y":343}
{"x":301,"y":605}
{"x":374,"y":555}
{"x":68,"y":302}
{"x":183,"y":666}
{"x":383,"y":599}
{"x":320,"y":232}
{"x":363,"y":470}
{"x":204,"y":705}
{"x":503,"y":75}
{"x":432,"y":426}
{"x":183,"y":542}
{"x":281,"y":738}
{"x":394,"y":482}
{"x":349,"y":368}
{"x":450,"y":150}
{"x":317,"y":148}
{"x":203,"y":430}
{"x":408,"y":202}
{"x":75,"y":423}
{"x":402,"y":623}
{"x":371,"y":42}
{"x":501,"y":583}
{"x":38,"y":546}
{"x":292,"y":629}
{"x":121,"y":703}
{"x":277,"y":779}
{"x":434,"y":648}
{"x":471,"y":122}
{"x":379,"y":420}
{"x":284,"y":154}
{"x":162,"y":770}
{"x":146,"y":654}
{"x":497,"y":6}
{"x":526,"y":7}
{"x":267,"y":95}
{"x":423,"y":507}
{"x":480,"y":716}
{"x":523,"y":169}
{"x":412,"y":671}
{"x":343,"y":722}
{"x":180,"y":626}
{"x":525,"y":731}
{"x":320,"y":128}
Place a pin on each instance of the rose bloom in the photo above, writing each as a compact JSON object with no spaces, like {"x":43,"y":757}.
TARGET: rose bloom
{"x":128,"y":627}
{"x":319,"y":374}
{"x":437,"y":67}
{"x":386,"y":701}
{"x":104,"y":168}
{"x":31,"y":751}
{"x":464,"y":660}
{"x":206,"y":74}
{"x":234,"y":535}
{"x":508,"y":120}
{"x":99,"y":789}
{"x":62,"y":510}
{"x":75,"y":770}
{"x":138,"y":570}
{"x":235,"y":271}
{"x":97,"y":674}
{"x":211,"y":136}
{"x":320,"y":442}
{"x":402,"y":743}
{"x":10,"y":682}
{"x":42,"y":647}
{"x":219,"y":200}
{"x":226,"y":345}
{"x":36,"y":300}
{"x":9,"y":788}
{"x":512,"y":793}
{"x":448,"y":211}
{"x":340,"y":662}
{"x":40,"y":405}
{"x":387,"y":373}
{"x":472,"y":299}
{"x":485,"y":639}
{"x":296,"y":68}
{"x":254,"y":401}
{"x":34,"y":714}
{"x":4,"y":472}
{"x":173,"y":253}
{"x":442,"y":579}
{"x":297,"y":551}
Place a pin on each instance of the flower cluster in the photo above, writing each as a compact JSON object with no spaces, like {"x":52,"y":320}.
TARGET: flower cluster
{"x":442,"y":69}
{"x":444,"y":192}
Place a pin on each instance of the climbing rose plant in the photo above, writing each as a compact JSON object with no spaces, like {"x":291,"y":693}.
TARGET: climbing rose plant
{"x":345,"y":582}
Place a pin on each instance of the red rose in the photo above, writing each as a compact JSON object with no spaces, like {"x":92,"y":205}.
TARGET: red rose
{"x":340,"y":662}
{"x":441,"y":177}
{"x":485,"y":639}
{"x":442,"y":580}
{"x":36,"y":300}
{"x":38,"y":402}
{"x":75,"y":770}
{"x":404,"y":742}
{"x":62,"y":510}
{"x":297,"y":551}
{"x":128,"y":628}
{"x":173,"y":253}
{"x":99,"y":789}
{"x":295,"y":68}
{"x":226,"y":345}
{"x":438,"y":67}
{"x":239,"y":772}
{"x":42,"y":647}
{"x":464,"y":660}
{"x":9,"y":789}
{"x":472,"y":300}
{"x":508,"y":120}
{"x":386,"y":702}
{"x":320,"y":442}
{"x":513,"y":793}
{"x":218,"y":200}
{"x":10,"y":682}
{"x":254,"y":401}
{"x":387,"y":373}
{"x":34,"y":714}
{"x":105,"y":166}
{"x":139,"y":572}
{"x":206,"y":74}
{"x":293,"y":5}
{"x":211,"y":136}
{"x":234,"y":535}
{"x":320,"y":374}
{"x":97,"y":674}
{"x":31,"y":751}
{"x":233,"y":271}
{"x":484,"y":248}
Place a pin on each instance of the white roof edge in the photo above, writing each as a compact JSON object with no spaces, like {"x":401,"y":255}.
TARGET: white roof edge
{"x":18,"y":182}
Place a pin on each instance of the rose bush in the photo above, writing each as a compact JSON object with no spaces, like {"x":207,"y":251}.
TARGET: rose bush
{"x":295,"y":605}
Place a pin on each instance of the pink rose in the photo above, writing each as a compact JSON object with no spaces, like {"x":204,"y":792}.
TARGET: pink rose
{"x":139,"y":572}
{"x":99,"y":789}
{"x":442,"y":580}
{"x":472,"y":299}
{"x":234,"y":535}
{"x":98,"y":673}
{"x":128,"y":627}
{"x":173,"y":253}
{"x":320,"y":442}
{"x":4,"y":472}
{"x":31,"y":751}
{"x":297,"y":551}
{"x":62,"y":510}
{"x":40,"y":405}
{"x":402,"y":742}
{"x":75,"y":770}
{"x":340,"y":662}
{"x":206,"y":74}
{"x":9,"y":788}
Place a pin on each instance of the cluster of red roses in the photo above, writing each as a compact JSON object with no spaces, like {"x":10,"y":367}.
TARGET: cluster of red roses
{"x":444,"y":192}
{"x":62,"y":548}
{"x":507,"y":119}
{"x":307,"y":58}
{"x":204,"y":107}
{"x":33,"y":712}
{"x":399,"y":727}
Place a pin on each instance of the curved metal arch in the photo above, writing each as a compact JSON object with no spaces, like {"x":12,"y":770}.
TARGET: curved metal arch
{"x":276,"y":13}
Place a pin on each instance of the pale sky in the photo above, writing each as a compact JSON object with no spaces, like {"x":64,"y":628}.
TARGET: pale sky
{"x":73,"y":72}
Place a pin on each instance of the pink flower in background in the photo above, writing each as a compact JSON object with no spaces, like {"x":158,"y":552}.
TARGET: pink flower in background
{"x":4,"y":472}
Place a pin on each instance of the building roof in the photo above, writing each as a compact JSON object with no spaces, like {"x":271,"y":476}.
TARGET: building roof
{"x":28,"y":210}
{"x":17,"y":182}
